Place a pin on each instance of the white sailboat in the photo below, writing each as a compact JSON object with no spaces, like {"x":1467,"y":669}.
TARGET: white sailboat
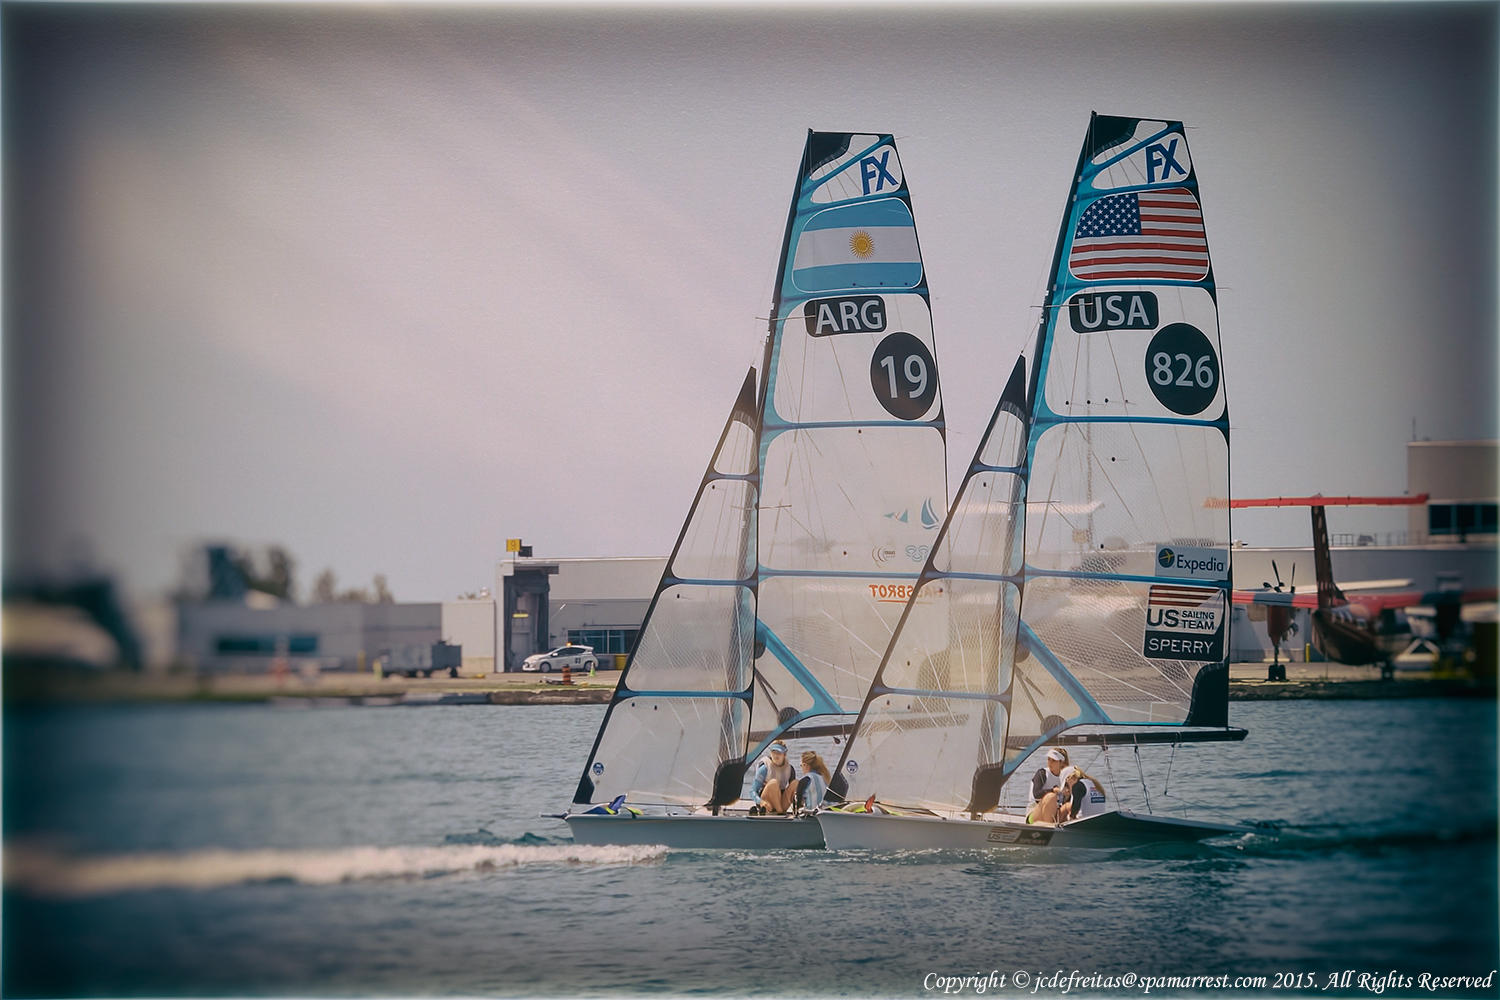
{"x":1083,"y":571}
{"x":806,"y":534}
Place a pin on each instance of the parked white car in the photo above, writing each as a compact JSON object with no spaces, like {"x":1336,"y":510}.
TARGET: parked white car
{"x":574,"y":657}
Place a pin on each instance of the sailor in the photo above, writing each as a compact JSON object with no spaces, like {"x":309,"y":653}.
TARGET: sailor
{"x":775,"y":783}
{"x":813,"y":784}
{"x":1051,"y":776}
{"x":1082,"y":795}
{"x":1046,"y":786}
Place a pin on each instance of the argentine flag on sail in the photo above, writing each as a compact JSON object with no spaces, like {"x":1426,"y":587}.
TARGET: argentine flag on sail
{"x":867,"y":245}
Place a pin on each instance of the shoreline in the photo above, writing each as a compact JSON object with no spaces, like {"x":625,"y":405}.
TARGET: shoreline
{"x":43,"y":686}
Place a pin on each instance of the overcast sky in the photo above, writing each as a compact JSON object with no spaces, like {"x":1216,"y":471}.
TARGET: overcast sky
{"x":388,"y":285}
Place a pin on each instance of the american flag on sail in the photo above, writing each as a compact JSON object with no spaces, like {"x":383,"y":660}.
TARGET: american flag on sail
{"x":1170,"y":596}
{"x":1143,"y":234}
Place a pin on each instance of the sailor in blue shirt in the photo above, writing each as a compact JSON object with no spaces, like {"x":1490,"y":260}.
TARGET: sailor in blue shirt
{"x":814,"y":783}
{"x":775,"y":783}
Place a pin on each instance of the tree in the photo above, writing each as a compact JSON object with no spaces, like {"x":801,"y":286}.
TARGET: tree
{"x":324,"y":588}
{"x":281,"y":574}
{"x":382,"y":591}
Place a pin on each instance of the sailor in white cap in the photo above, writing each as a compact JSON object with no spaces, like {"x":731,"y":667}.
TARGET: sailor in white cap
{"x":1045,"y":784}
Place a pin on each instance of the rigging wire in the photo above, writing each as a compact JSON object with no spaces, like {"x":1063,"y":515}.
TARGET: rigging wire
{"x":1140,"y":769}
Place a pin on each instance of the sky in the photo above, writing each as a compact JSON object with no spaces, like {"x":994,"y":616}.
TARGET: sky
{"x":388,"y":285}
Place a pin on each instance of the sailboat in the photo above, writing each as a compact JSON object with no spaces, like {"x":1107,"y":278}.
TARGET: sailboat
{"x":805,"y":537}
{"x":1084,"y":566}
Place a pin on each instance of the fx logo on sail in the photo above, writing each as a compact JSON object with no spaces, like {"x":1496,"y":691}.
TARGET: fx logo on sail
{"x":1162,"y":158}
{"x":871,"y":169}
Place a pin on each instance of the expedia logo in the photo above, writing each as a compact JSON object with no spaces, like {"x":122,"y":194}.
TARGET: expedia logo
{"x":1198,"y":567}
{"x":1183,"y":560}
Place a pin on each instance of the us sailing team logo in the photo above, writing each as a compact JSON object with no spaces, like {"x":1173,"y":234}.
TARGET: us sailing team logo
{"x":1184,"y":622}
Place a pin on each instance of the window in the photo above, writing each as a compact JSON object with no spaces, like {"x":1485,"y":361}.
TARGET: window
{"x":604,"y":640}
{"x":1462,"y":519}
{"x":1440,"y":519}
{"x":266,"y":645}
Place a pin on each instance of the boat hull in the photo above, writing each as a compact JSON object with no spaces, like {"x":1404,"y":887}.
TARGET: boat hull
{"x":699,"y":832}
{"x":844,"y":831}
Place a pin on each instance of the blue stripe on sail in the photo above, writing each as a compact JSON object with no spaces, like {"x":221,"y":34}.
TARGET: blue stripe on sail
{"x":1015,"y":578}
{"x":834,"y":574}
{"x":849,"y":276}
{"x":885,"y":212}
{"x":1067,"y":288}
{"x":1074,"y":574}
{"x":726,"y":695}
{"x":1049,"y":418}
{"x":683,"y":581}
{"x":775,"y":424}
{"x":1002,"y":697}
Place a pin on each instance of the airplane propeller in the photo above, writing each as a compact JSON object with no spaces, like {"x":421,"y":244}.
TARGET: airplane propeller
{"x":1291,"y":584}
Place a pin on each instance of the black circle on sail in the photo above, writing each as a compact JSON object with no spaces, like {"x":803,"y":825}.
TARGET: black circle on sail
{"x":904,"y":376}
{"x":1182,"y":368}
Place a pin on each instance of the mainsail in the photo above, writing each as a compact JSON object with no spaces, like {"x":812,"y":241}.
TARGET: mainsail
{"x":780,"y":596}
{"x":1083,"y":571}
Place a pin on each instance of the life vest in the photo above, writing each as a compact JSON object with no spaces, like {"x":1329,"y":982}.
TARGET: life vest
{"x":870,"y":806}
{"x":783,"y":774}
{"x":1093,"y":799}
{"x":1049,"y":782}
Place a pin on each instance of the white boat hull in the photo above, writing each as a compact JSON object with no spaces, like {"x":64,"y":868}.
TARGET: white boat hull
{"x":699,"y":832}
{"x":844,"y":831}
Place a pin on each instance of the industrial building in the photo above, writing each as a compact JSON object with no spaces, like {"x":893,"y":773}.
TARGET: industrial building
{"x":539,"y":603}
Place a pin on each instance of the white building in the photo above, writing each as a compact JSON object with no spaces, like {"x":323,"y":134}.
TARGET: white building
{"x":242,"y":637}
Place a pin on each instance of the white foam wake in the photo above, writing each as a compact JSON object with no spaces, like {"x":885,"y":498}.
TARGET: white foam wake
{"x":52,"y":873}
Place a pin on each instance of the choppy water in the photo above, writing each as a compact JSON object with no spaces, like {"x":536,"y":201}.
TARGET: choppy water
{"x":247,"y":850}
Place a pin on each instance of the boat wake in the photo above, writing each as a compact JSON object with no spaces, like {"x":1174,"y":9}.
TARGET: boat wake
{"x":47,"y":872}
{"x":1284,"y":838}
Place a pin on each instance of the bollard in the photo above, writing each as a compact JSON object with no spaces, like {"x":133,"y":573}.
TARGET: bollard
{"x":567,"y":677}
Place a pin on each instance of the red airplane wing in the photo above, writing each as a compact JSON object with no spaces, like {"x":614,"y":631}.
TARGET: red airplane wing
{"x":1372,"y":602}
{"x":1308,"y":600}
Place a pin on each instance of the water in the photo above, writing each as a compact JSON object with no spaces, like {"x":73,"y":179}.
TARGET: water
{"x":249,"y":850}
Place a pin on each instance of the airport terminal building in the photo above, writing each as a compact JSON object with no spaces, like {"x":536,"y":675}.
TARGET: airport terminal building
{"x":538,"y":603}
